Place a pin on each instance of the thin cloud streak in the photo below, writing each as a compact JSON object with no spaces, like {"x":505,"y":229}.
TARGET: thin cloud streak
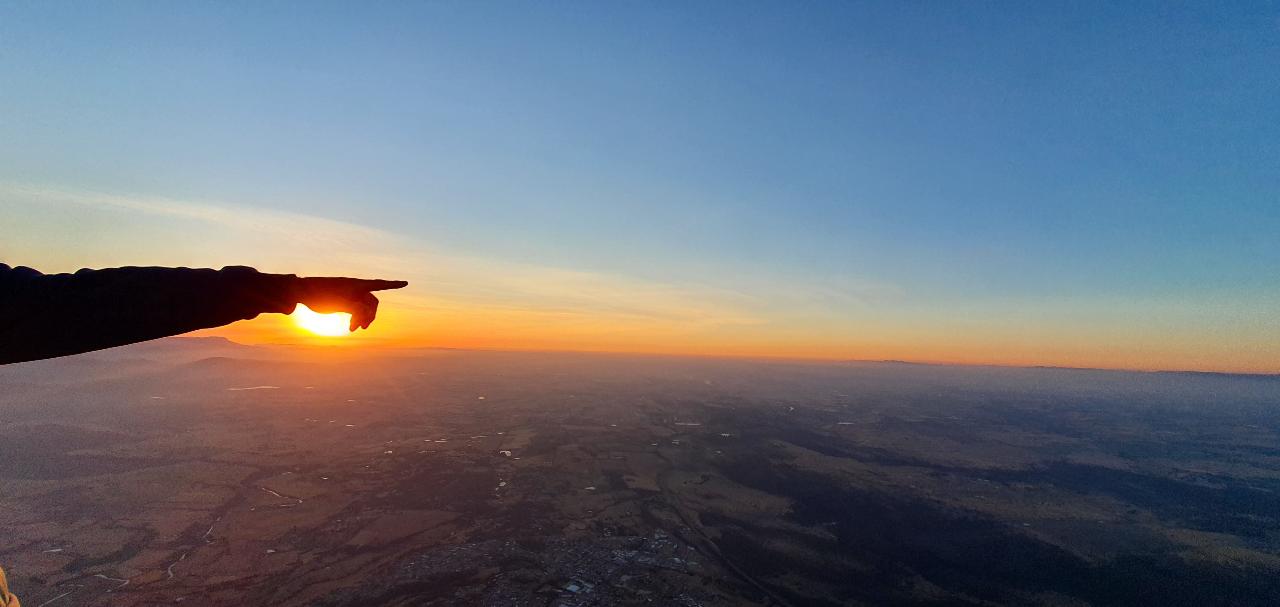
{"x":439,"y":279}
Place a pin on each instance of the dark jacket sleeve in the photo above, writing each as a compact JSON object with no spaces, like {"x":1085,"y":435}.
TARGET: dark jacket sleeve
{"x":43,"y":316}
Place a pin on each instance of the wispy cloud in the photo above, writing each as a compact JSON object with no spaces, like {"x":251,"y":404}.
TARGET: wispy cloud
{"x":277,"y":224}
{"x":439,"y":278}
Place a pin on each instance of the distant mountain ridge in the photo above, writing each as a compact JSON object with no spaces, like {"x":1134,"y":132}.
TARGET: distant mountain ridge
{"x":910,"y":363}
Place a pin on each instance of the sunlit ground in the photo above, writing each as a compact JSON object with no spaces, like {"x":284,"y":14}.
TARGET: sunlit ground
{"x":328,"y":325}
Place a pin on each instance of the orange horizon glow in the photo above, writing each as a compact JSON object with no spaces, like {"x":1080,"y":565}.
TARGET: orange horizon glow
{"x":457,"y":300}
{"x":402,"y":329}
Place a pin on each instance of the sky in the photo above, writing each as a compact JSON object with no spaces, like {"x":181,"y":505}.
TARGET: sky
{"x":1077,"y":184}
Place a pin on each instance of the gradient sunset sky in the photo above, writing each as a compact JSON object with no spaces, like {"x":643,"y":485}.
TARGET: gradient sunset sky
{"x":1074,"y":183}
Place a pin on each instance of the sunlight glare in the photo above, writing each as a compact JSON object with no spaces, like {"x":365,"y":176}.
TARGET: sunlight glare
{"x":329,"y":325}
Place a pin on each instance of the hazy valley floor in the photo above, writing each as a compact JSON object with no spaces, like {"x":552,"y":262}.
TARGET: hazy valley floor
{"x":216,"y":474}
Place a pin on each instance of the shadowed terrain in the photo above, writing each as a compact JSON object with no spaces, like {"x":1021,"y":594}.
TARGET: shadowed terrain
{"x":210,"y":472}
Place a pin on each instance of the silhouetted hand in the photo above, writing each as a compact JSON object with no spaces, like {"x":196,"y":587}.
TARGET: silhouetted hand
{"x":351,"y":295}
{"x":64,"y":314}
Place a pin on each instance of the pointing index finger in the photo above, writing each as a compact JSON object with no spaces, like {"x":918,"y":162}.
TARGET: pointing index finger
{"x":383,"y":285}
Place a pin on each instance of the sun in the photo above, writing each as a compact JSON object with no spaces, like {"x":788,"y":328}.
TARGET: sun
{"x":329,"y":325}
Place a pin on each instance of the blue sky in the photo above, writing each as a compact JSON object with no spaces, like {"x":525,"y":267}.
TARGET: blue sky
{"x":953,"y":154}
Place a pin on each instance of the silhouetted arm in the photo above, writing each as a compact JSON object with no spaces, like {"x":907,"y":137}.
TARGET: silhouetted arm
{"x":43,"y":316}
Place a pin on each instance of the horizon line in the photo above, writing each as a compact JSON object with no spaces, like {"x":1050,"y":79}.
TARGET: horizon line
{"x":801,"y":359}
